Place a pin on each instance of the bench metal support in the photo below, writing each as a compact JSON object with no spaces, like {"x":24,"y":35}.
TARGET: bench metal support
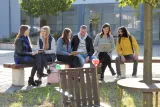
{"x":18,"y":77}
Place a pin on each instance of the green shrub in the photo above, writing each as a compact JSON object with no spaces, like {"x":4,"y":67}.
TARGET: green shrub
{"x":56,"y":35}
{"x":9,"y":39}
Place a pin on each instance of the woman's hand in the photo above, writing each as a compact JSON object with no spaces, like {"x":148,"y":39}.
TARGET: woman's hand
{"x":135,"y":56}
{"x":34,"y":53}
{"x":69,"y":54}
{"x":123,"y":58}
{"x":74,"y":53}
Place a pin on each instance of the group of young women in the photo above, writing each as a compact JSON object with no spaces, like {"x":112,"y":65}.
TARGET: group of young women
{"x":48,"y":51}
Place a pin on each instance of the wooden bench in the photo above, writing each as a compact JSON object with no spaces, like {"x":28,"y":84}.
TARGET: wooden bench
{"x":79,"y":87}
{"x":18,"y":77}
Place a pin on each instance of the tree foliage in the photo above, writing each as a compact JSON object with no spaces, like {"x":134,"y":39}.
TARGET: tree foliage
{"x":135,"y":3}
{"x":48,"y":7}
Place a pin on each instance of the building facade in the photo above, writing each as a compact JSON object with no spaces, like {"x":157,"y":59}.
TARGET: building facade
{"x":9,"y":17}
{"x":94,"y":14}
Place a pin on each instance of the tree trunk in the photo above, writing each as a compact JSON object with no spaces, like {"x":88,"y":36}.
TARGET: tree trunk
{"x":147,"y":67}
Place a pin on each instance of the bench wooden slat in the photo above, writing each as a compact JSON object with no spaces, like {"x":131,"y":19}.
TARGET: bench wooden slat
{"x":70,"y":82}
{"x":64,"y":85}
{"x":71,"y":86}
{"x":83,"y":87}
{"x":89,"y":87}
{"x":17,"y":66}
{"x":77,"y":88}
{"x":95,"y":87}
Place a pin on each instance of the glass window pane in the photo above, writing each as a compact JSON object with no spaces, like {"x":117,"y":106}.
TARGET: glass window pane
{"x":156,"y":25}
{"x":110,"y":7}
{"x":113,"y":19}
{"x":131,"y":20}
{"x":92,"y":18}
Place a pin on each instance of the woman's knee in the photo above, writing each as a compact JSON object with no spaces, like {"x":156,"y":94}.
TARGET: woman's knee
{"x":118,"y":58}
{"x":93,"y":57}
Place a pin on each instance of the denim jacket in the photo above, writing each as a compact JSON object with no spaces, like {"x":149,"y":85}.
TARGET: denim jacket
{"x":62,"y":48}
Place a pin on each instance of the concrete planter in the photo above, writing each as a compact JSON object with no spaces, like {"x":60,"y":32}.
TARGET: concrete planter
{"x":10,"y":46}
{"x":7,"y":46}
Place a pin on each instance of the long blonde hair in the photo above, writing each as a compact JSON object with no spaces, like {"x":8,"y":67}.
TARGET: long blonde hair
{"x":22,"y":30}
{"x":46,"y":40}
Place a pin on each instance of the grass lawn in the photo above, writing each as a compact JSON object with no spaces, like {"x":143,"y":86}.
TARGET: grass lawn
{"x":48,"y":97}
{"x":44,"y":97}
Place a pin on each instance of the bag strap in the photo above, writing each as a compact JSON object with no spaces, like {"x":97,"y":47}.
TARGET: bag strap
{"x":119,"y":40}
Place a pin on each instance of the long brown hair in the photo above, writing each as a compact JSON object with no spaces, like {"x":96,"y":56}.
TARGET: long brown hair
{"x":65,"y":33}
{"x":46,"y":40}
{"x":104,"y":26}
{"x":22,"y":30}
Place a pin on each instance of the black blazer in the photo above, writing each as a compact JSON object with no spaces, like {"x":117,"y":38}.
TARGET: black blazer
{"x":21,"y":48}
{"x":89,"y":45}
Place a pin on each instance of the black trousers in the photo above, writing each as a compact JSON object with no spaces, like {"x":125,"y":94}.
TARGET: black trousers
{"x":72,"y":61}
{"x":33,"y":60}
{"x":45,"y":58}
{"x":105,"y":59}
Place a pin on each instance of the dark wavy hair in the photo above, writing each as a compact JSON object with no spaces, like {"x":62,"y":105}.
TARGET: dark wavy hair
{"x":65,"y":33}
{"x":104,"y":26}
{"x":125,"y":32}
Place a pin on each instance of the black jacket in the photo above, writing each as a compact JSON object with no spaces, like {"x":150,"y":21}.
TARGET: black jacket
{"x":89,"y":45}
{"x":21,"y":48}
{"x":41,"y":43}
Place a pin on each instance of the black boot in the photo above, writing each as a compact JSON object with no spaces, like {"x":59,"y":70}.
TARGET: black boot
{"x":102,"y":76}
{"x":38,"y":82}
{"x":31,"y":82}
{"x":102,"y":72}
{"x":48,"y":71}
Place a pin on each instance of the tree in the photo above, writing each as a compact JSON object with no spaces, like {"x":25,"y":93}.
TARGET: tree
{"x":37,"y":8}
{"x":147,"y":71}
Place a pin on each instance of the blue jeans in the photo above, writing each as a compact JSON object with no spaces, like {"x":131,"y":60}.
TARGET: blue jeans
{"x":83,"y":57}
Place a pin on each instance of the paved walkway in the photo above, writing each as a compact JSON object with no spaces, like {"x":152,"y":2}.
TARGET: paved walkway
{"x":6,"y":56}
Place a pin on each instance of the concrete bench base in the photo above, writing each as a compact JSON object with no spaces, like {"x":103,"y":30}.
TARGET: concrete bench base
{"x":18,"y":77}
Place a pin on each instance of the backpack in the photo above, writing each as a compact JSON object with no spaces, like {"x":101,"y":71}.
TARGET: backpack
{"x":130,"y":39}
